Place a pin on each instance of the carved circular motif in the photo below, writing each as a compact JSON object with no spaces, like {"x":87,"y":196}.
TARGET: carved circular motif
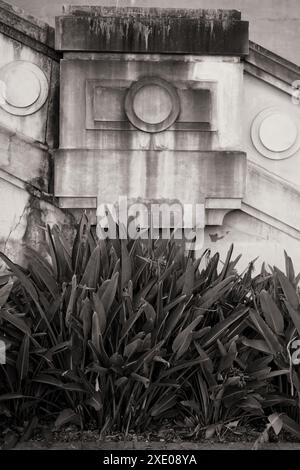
{"x":275,"y":134}
{"x":152,"y":104}
{"x":156,"y":110}
{"x":23,"y":88}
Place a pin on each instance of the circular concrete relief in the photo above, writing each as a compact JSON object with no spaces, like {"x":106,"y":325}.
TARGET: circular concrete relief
{"x":24,"y":88}
{"x":152,"y":104}
{"x":275,"y":134}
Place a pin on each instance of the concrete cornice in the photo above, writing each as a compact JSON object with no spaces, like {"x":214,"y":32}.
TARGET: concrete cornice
{"x":152,"y":30}
{"x":271,"y":68}
{"x":20,"y":26}
{"x":105,"y":11}
{"x":261,"y":63}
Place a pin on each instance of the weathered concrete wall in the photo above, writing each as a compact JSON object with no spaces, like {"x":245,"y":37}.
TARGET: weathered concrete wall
{"x":253,"y":239}
{"x":107,"y":71}
{"x":29,"y":84}
{"x":23,"y":219}
{"x":259,"y":97}
{"x":269,"y":221}
{"x":119,"y":65}
{"x":266,"y":223}
{"x":275,"y":24}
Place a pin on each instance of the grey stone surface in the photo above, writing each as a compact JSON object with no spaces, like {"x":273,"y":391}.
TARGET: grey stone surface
{"x":273,"y":24}
{"x":19,"y":25}
{"x":152,"y":31}
{"x":94,"y":125}
{"x":29,"y":74}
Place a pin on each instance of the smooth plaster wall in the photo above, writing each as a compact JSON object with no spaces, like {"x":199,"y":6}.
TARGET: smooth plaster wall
{"x":275,"y":24}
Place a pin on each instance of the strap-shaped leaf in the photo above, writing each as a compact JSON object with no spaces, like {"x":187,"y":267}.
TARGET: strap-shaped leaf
{"x":15,"y":321}
{"x":217,"y":331}
{"x":23,"y":359}
{"x":266,"y":332}
{"x":272,"y":314}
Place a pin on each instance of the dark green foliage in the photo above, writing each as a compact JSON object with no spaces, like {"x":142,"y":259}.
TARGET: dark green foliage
{"x":130,"y":333}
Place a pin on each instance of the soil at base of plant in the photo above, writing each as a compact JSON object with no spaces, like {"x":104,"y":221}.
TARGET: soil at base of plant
{"x":45,"y":435}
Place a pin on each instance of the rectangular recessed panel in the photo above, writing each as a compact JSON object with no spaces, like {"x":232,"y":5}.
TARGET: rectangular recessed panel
{"x":109,"y":104}
{"x":195,"y":106}
{"x":105,"y":104}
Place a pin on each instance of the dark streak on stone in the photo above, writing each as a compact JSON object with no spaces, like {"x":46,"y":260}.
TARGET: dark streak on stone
{"x":218,"y":32}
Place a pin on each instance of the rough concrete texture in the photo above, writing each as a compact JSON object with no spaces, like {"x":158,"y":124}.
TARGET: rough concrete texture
{"x":169,"y":31}
{"x":197,"y":144}
{"x":275,"y":24}
{"x":23,"y":220}
{"x":27,"y":136}
{"x":259,"y":225}
{"x":222,"y":77}
{"x":32,"y":27}
{"x":150,"y":175}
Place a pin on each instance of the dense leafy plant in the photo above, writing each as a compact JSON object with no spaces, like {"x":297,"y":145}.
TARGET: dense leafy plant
{"x":128,"y":334}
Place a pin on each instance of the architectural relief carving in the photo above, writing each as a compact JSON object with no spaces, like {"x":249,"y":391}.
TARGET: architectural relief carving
{"x":177,"y":93}
{"x":122,"y":104}
{"x":152,"y":104}
{"x":275,"y":134}
{"x":24,"y":88}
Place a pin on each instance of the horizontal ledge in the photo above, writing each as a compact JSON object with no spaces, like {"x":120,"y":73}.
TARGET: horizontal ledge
{"x":141,"y":57}
{"x":223,"y":203}
{"x":125,"y":12}
{"x":164,"y":35}
{"x":162,"y":175}
{"x":91,"y":203}
{"x":77,"y":152}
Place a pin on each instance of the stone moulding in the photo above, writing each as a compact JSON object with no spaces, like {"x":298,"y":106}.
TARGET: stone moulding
{"x":153,"y":31}
{"x":213,"y":174}
{"x":272,"y":64}
{"x":213,"y":215}
{"x":271,"y":68}
{"x":20,"y":26}
{"x":209,"y":14}
{"x":32,"y":90}
{"x":83,"y":177}
{"x":152,"y":83}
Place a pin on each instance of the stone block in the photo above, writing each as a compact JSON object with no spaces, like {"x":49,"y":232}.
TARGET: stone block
{"x":157,"y":176}
{"x":146,"y":30}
